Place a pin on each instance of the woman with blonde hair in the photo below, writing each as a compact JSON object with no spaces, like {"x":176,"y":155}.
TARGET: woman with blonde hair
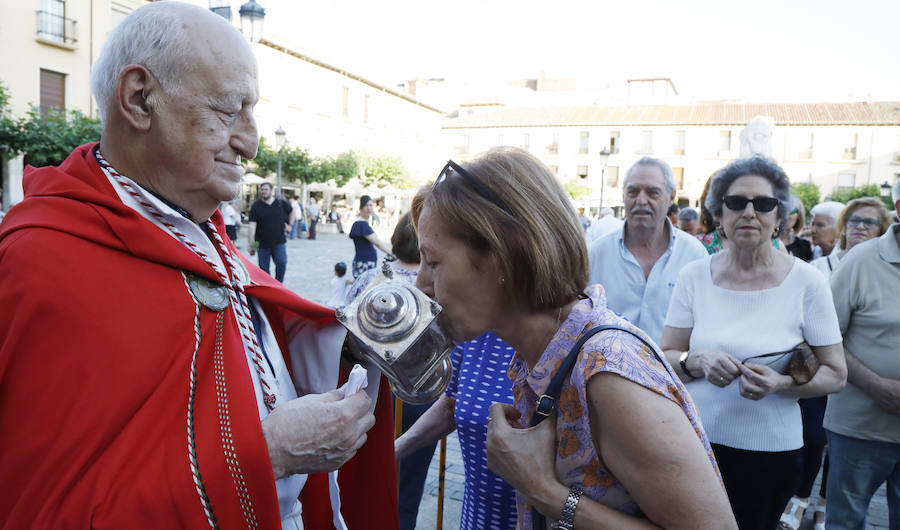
{"x":503,"y":251}
{"x":861,"y":220}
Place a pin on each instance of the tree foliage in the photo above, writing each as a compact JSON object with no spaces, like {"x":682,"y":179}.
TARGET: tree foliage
{"x":382,"y":170}
{"x":846,"y":195}
{"x":297,"y":165}
{"x":48,"y":138}
{"x":808,"y":194}
{"x":577,"y":189}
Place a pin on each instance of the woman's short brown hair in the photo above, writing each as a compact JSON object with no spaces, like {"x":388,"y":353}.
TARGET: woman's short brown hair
{"x":538,"y":243}
{"x":404,"y":243}
{"x":856,"y":204}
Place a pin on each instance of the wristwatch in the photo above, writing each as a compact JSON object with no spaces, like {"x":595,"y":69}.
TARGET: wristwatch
{"x":567,"y":518}
{"x":683,"y":362}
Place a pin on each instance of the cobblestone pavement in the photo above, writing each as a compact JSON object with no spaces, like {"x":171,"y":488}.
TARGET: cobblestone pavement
{"x":310,"y":269}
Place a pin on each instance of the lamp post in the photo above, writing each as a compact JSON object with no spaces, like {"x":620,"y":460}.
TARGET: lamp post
{"x":252,"y":15}
{"x":604,"y":158}
{"x":885,"y":189}
{"x":280,"y":141}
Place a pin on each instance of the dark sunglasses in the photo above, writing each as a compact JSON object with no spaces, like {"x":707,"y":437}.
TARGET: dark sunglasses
{"x":481,"y":189}
{"x":737,"y":203}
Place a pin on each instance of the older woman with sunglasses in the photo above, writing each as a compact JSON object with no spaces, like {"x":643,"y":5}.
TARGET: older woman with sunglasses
{"x":748,"y":300}
{"x":503,"y":251}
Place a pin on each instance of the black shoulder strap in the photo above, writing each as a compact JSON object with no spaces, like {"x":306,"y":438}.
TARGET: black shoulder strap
{"x":547,"y":402}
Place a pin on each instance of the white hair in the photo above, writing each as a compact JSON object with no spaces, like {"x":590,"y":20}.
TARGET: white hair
{"x":154,"y":36}
{"x":830,"y":209}
{"x":895,"y":193}
{"x":655,"y":162}
{"x":606,"y":210}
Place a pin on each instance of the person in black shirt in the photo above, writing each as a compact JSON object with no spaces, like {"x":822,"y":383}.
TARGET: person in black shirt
{"x":270,"y":217}
{"x":796,"y":246}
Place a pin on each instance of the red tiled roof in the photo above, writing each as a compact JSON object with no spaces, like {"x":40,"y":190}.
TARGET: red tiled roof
{"x":861,"y":113}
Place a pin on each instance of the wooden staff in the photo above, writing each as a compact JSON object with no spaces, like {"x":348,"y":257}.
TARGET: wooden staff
{"x":440,"y":506}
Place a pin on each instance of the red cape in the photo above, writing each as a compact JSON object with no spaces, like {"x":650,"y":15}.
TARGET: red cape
{"x":96,"y":341}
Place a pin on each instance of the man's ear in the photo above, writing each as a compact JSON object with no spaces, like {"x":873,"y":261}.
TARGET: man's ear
{"x":132,"y":91}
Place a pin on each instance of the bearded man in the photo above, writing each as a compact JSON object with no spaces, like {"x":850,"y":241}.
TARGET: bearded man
{"x":151,"y":376}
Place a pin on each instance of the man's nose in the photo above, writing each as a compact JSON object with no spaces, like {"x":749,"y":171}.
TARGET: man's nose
{"x":246,"y":138}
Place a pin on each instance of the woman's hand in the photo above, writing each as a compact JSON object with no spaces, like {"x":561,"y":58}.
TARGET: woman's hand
{"x":719,"y":368}
{"x":525,"y":458}
{"x":758,"y":381}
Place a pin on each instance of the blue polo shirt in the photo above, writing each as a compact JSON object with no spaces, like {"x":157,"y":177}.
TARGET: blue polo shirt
{"x":642,"y":302}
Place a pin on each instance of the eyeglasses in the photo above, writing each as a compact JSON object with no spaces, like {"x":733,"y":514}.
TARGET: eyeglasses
{"x":481,"y":189}
{"x":854,"y":220}
{"x":738,"y":203}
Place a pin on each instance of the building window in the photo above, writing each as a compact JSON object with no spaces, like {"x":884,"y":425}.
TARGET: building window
{"x":646,"y":147}
{"x":614,"y":142}
{"x":806,"y":148}
{"x":366,"y":109}
{"x":52,"y":24}
{"x":345,"y":106}
{"x":678,"y":173}
{"x":553,"y":148}
{"x":680,"y":137}
{"x":53,"y":91}
{"x":582,"y":172}
{"x":584,"y":140}
{"x":850,"y":150}
{"x":724,"y":144}
{"x":462,"y":147}
{"x":847,"y":179}
{"x":525,"y":141}
{"x":612,"y":176}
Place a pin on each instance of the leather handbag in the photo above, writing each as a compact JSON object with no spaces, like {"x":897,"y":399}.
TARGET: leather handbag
{"x":802,"y":366}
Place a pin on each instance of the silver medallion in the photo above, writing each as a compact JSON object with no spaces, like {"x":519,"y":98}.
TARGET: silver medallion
{"x":213,"y":296}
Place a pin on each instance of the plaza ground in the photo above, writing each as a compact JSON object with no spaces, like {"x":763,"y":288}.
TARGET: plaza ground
{"x":310,"y":269}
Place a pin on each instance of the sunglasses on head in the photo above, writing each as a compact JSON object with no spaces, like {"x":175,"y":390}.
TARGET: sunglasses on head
{"x":480,"y":189}
{"x":737,"y":203}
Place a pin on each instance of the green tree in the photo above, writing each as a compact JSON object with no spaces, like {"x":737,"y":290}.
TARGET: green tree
{"x":382,"y":169}
{"x":807,"y":192}
{"x":577,"y":189}
{"x":45,"y":139}
{"x":846,"y":195}
{"x":296,"y":164}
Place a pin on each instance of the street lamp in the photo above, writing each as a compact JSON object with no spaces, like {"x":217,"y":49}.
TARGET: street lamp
{"x":885,"y":189}
{"x":280,"y":141}
{"x":252,"y":15}
{"x":604,"y":158}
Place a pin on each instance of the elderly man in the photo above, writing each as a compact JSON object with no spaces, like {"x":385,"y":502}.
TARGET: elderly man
{"x":862,"y":422}
{"x":639,"y":263}
{"x":150,"y":373}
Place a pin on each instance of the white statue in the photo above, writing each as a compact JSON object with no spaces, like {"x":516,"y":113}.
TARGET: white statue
{"x":756,"y":137}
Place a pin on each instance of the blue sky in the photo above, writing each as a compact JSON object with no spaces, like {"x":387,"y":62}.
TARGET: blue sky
{"x":764,"y":50}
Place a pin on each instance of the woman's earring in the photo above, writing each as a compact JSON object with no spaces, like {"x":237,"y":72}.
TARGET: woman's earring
{"x":721,"y":232}
{"x":776,"y":233}
{"x":502,"y":280}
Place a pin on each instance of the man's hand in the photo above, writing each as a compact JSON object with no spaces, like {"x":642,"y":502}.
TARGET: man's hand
{"x":887,"y":395}
{"x":317,"y":432}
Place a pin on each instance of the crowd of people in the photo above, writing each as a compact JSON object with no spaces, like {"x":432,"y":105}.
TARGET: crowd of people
{"x":675,"y":369}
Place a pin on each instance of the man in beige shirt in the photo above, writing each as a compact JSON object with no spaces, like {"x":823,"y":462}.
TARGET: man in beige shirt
{"x":863,"y":420}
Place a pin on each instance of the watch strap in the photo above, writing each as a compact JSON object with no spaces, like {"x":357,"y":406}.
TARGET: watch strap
{"x":567,"y":518}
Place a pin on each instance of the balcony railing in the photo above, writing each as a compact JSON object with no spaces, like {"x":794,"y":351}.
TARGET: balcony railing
{"x":57,"y":28}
